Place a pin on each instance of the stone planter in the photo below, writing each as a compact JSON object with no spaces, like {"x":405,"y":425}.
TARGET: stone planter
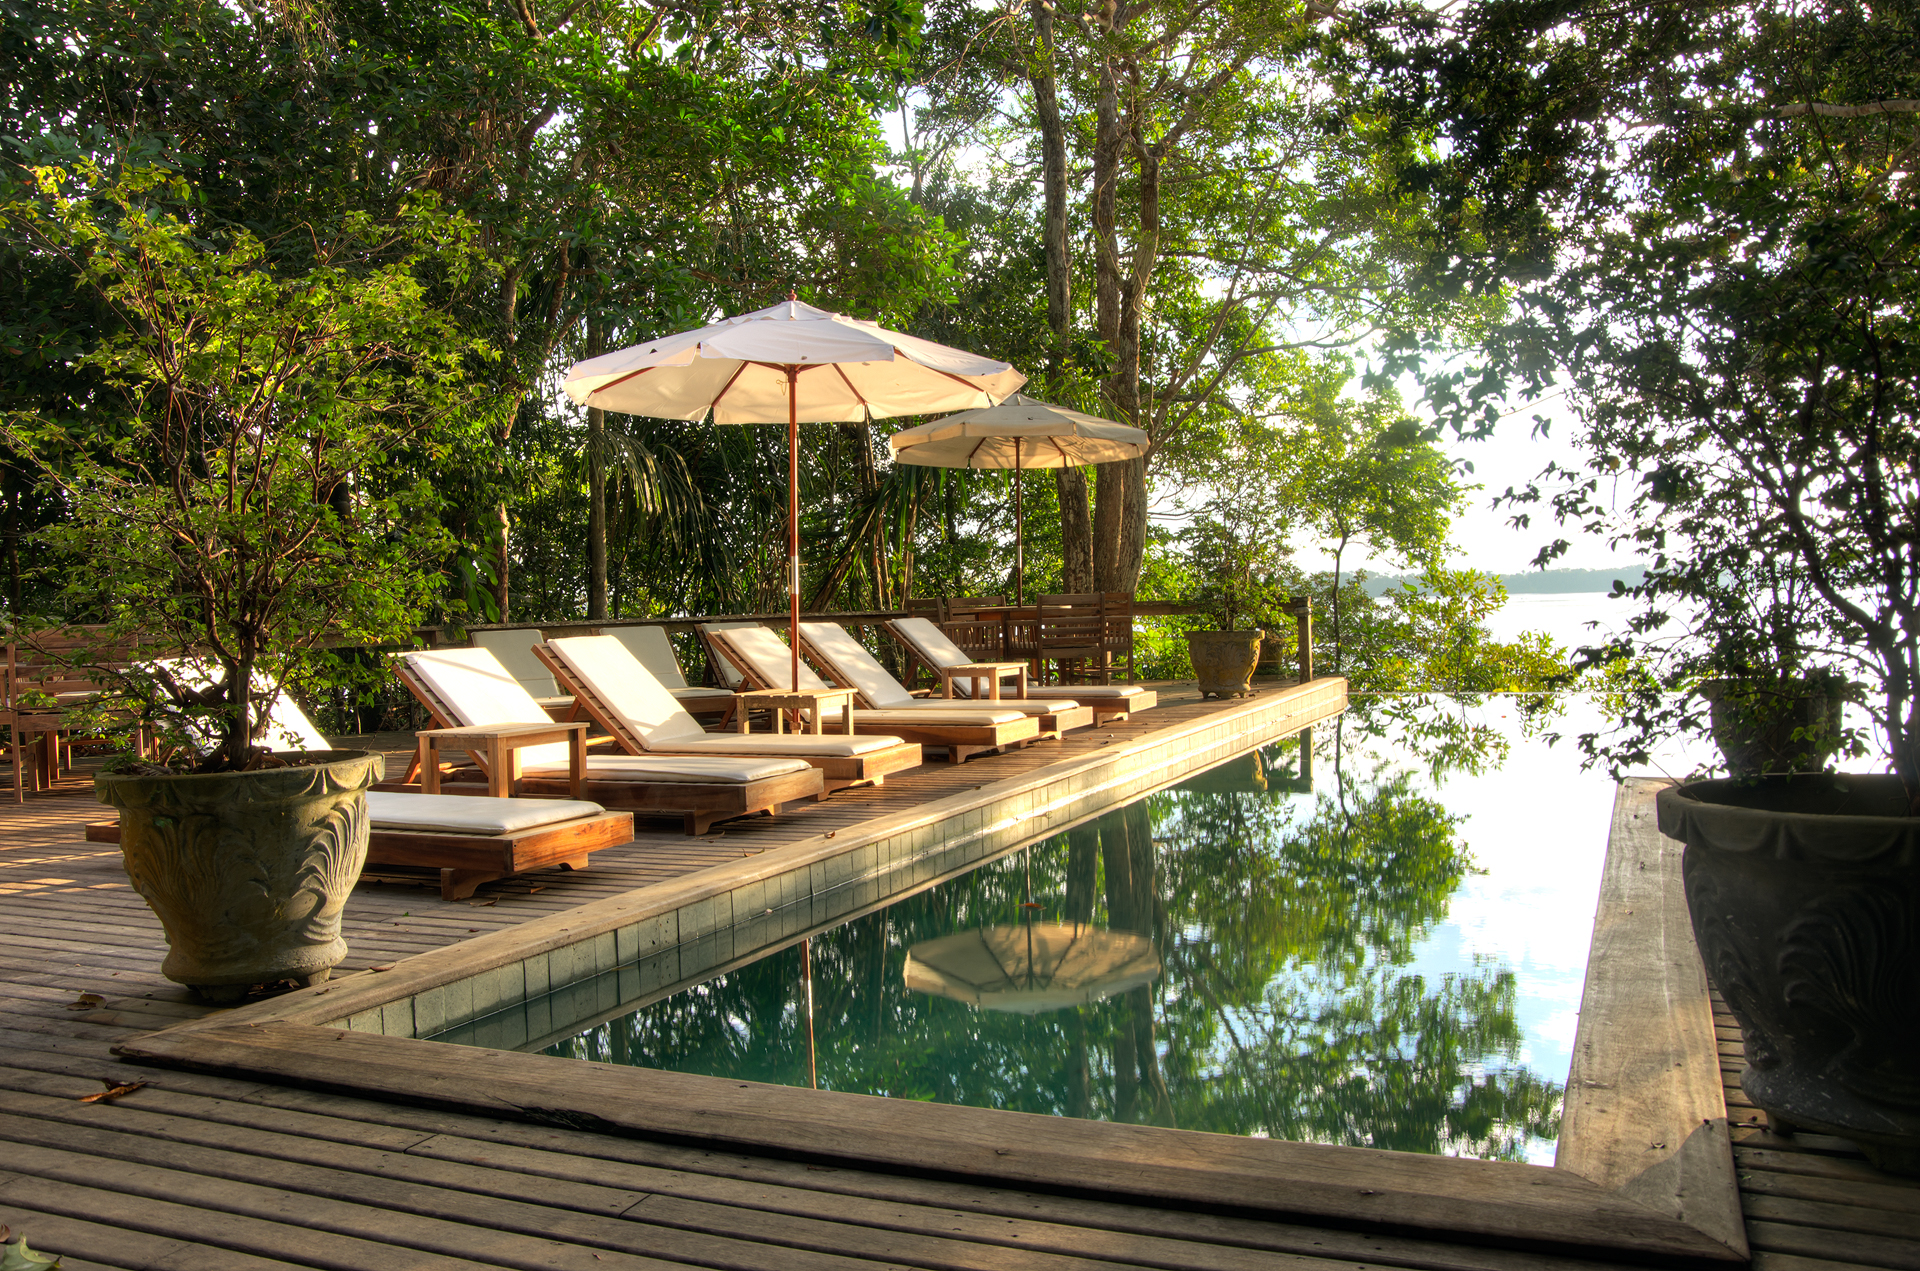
{"x":248,"y":871}
{"x":1754,"y":723}
{"x":1805,"y":898}
{"x":1223,"y":661}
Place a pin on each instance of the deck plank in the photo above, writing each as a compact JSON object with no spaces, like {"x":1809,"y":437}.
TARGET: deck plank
{"x":216,"y":1172}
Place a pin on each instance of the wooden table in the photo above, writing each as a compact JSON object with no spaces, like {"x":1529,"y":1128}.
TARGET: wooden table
{"x":780,"y":701}
{"x":974,"y":672}
{"x":498,"y":746}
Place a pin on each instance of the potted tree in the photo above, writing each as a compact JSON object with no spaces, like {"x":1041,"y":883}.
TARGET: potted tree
{"x":1238,"y":558}
{"x":239,"y":495}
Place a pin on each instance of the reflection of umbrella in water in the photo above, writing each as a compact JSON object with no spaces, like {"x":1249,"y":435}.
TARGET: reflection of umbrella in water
{"x":1032,"y":967}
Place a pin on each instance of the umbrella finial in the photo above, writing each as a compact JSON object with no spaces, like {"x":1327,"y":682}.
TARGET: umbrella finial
{"x":793,"y":293}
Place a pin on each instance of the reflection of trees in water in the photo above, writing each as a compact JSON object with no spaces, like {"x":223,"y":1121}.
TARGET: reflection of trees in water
{"x":1282,"y":1010}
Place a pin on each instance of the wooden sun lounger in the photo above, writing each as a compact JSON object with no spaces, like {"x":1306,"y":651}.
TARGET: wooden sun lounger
{"x":876,"y":689}
{"x":462,"y":860}
{"x":837,"y":771}
{"x":961,"y":740}
{"x":1108,"y":702}
{"x":698,"y":803}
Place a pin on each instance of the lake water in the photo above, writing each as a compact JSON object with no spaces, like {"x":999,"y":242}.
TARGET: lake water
{"x":1383,"y":946}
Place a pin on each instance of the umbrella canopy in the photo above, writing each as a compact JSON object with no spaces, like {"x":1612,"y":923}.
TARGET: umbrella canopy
{"x":1019,"y":433}
{"x":1032,"y":967}
{"x":789,"y":362}
{"x":739,"y":368}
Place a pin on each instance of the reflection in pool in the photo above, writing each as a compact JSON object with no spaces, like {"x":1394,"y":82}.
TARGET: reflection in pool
{"x":1240,"y":954}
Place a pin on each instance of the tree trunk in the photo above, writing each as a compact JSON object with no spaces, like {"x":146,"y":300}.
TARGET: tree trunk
{"x":13,"y":539}
{"x":596,"y":493}
{"x":1339,"y":550}
{"x":1076,"y":531}
{"x":596,"y":514}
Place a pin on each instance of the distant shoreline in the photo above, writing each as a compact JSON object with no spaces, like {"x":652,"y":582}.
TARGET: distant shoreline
{"x":1535,"y":581}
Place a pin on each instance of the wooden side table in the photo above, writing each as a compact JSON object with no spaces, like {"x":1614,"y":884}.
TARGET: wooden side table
{"x":498,"y":747}
{"x":974,"y":672}
{"x":780,"y":701}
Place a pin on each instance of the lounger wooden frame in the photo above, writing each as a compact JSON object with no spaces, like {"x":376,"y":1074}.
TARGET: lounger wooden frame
{"x":697,"y":803}
{"x":462,"y":862}
{"x":1105,"y":709}
{"x":1052,"y":723}
{"x":961,"y":741}
{"x":837,"y":772}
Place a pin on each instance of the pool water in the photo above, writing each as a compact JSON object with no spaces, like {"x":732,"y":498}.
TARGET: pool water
{"x":1370,"y":942}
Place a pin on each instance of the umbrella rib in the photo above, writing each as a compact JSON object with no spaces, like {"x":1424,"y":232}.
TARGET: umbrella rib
{"x":617,"y":383}
{"x":851,"y":389}
{"x":1055,"y":443}
{"x":738,"y":371}
{"x":958,"y":379}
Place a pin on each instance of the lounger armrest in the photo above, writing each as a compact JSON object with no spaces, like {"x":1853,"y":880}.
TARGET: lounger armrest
{"x":497,"y":747}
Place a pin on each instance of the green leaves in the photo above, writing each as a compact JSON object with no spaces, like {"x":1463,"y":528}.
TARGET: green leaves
{"x":237,"y":493}
{"x":17,"y":1257}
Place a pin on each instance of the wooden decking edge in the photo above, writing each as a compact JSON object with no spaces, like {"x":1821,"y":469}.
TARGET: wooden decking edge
{"x":1645,"y":1113}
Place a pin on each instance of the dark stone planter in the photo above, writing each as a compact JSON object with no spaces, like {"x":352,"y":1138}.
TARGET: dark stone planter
{"x":1223,"y":661}
{"x":1805,"y":898}
{"x":248,"y":871}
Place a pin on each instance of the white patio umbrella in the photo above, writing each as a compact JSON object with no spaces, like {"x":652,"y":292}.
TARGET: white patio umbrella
{"x":1033,"y":966}
{"x":1018,"y":433}
{"x":792,"y":362}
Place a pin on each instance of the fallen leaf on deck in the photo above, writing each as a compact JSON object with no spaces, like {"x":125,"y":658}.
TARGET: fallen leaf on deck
{"x":17,"y":1257}
{"x":384,"y":966}
{"x":541,"y":887}
{"x":471,"y":930}
{"x":113,"y":1090}
{"x":487,"y":904}
{"x":86,"y":1002}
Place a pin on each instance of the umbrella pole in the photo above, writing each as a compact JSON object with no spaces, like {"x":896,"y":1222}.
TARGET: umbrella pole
{"x":793,"y":519}
{"x":1019,"y":534}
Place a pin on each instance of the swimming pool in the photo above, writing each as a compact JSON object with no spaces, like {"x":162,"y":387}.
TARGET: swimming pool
{"x":1351,"y":944}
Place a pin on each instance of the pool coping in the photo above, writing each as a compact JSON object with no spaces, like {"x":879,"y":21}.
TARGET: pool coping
{"x":337,"y":1037}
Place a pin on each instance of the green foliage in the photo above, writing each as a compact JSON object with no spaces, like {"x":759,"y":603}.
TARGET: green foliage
{"x":245,"y":484}
{"x":1709,"y":227}
{"x":18,"y":1257}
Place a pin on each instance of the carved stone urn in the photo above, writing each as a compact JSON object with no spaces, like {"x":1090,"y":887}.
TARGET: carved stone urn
{"x":1764,"y":726}
{"x":248,"y":871}
{"x":1805,"y":898}
{"x":1223,"y":661}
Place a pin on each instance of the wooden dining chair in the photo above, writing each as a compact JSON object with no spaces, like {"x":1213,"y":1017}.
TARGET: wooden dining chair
{"x":1070,"y":632}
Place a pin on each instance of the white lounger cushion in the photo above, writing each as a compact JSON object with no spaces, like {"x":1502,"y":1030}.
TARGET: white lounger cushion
{"x":651,"y":649}
{"x":785,"y":743}
{"x":663,"y":726}
{"x":644,"y":707}
{"x":851,"y":661}
{"x":692,"y":769}
{"x":933,"y":646}
{"x":725,"y":671}
{"x":772,"y":663}
{"x":478,"y":689}
{"x":770,"y":656}
{"x":481,"y":693}
{"x":462,"y":814}
{"x":514,"y":650}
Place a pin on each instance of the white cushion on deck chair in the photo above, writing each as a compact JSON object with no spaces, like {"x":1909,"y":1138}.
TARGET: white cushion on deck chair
{"x":932,"y":644}
{"x":608,"y":671}
{"x":514,"y":649}
{"x":770,"y":657}
{"x":652,"y":649}
{"x":952,"y":714}
{"x":826,"y":746}
{"x":464,"y":814}
{"x":849,"y":659}
{"x":725,"y":671}
{"x":482,"y":693}
{"x":688,"y":769}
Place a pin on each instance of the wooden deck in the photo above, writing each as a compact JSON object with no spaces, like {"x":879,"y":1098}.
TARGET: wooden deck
{"x":211,"y":1172}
